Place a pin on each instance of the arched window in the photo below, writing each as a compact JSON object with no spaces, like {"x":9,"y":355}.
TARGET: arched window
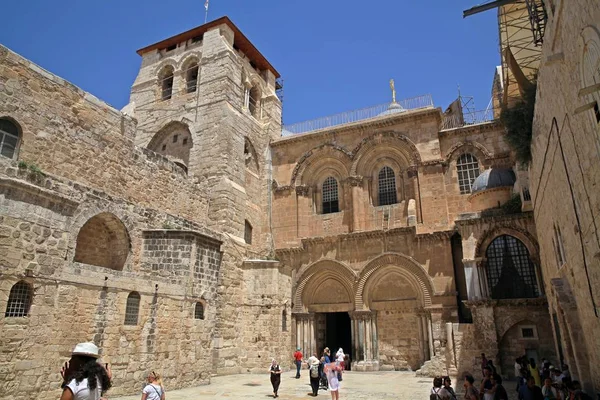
{"x":19,"y":300}
{"x":250,"y":156}
{"x":331,"y":203}
{"x":254,"y":102}
{"x":386,"y":191}
{"x":191,"y":77}
{"x":284,"y":321}
{"x":590,"y":68}
{"x":467,"y":167}
{"x":132,"y":309}
{"x":9,"y":138}
{"x":510,"y":271}
{"x":247,"y":232}
{"x":166,"y":82}
{"x":199,"y":311}
{"x":103,"y":241}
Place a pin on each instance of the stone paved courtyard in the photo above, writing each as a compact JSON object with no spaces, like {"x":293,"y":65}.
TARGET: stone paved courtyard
{"x":375,"y":385}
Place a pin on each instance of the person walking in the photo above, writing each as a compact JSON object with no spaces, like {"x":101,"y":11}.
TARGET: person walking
{"x":438,"y":392}
{"x":275,"y":372}
{"x":83,"y":377}
{"x":486,"y":384}
{"x":531,"y":391}
{"x":448,"y":387}
{"x":154,"y":390}
{"x":298,"y":361}
{"x":339,"y":360}
{"x":498,"y":389}
{"x":471,"y":392}
{"x":484,"y":363}
{"x":313,"y":367}
{"x":331,"y":370}
{"x":534,"y":371}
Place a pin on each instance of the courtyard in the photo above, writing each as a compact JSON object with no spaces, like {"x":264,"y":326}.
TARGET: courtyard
{"x":356,"y":385}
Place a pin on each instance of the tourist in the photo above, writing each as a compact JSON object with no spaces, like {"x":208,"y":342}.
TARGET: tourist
{"x":331,"y":370}
{"x":322,"y":375}
{"x":484,"y":363}
{"x":486,"y":384}
{"x":521,"y":382}
{"x":498,"y":389}
{"x":438,"y":392}
{"x":549,"y":392}
{"x":313,"y":366}
{"x":533,"y":371}
{"x":339,"y":360}
{"x":448,"y":387}
{"x":154,"y":390}
{"x":575,"y":392}
{"x":530,"y":391}
{"x":471,"y":392}
{"x":298,"y":361}
{"x":517,"y":368}
{"x":490,"y":364}
{"x":83,"y":377}
{"x":275,"y":372}
{"x":327,"y":355}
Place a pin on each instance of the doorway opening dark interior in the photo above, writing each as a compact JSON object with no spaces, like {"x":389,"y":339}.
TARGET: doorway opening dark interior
{"x":338,"y":333}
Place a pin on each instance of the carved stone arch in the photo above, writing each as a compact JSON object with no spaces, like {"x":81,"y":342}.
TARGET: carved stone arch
{"x":316,"y":158}
{"x":521,"y":234}
{"x":309,"y":275}
{"x":404,"y":265}
{"x":506,"y":324}
{"x":477,"y":149}
{"x":160,"y":68}
{"x":174,"y":141}
{"x":189,"y":58}
{"x":395,"y":144}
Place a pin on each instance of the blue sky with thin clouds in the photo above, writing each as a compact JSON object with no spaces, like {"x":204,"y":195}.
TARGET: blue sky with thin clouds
{"x":334,"y":55}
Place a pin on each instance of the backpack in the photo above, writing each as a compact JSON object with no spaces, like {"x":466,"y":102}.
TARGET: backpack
{"x":314,"y":371}
{"x":435,"y":395}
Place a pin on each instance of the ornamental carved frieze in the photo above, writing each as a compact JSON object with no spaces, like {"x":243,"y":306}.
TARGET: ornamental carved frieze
{"x":355,"y":180}
{"x":302,"y":190}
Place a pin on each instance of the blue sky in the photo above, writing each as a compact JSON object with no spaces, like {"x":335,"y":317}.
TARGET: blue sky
{"x":334,"y":55}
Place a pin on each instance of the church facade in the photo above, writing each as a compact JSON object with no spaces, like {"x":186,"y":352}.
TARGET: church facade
{"x":190,"y":232}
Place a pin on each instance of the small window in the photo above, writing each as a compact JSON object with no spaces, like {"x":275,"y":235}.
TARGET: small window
{"x":283,"y":321}
{"x":387,"y":187}
{"x":526,"y":194}
{"x":246,"y":98}
{"x":199,"y":311}
{"x":164,"y":147}
{"x":132,"y":310}
{"x":331,"y":202}
{"x":467,"y":167}
{"x":528,"y":332}
{"x":175,"y":138}
{"x":166,"y":83}
{"x":254,"y":102}
{"x":559,"y":246}
{"x":171,"y":48}
{"x":9,"y":138}
{"x":191,"y":78}
{"x":185,"y":141}
{"x":248,"y":232}
{"x":197,"y":39}
{"x":597,"y":112}
{"x":19,"y":300}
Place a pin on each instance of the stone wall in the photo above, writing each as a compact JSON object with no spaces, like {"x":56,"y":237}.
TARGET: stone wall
{"x":399,"y":340}
{"x":563,"y":176}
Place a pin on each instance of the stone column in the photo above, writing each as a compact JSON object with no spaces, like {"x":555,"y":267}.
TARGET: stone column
{"x":356,"y":188}
{"x":365,"y":325}
{"x":425,"y":342}
{"x":305,"y":332}
{"x":413,"y":176}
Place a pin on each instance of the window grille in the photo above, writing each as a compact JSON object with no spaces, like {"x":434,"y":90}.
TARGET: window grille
{"x":387,"y":187}
{"x":19,"y":300}
{"x":467,"y":167}
{"x":199,"y":311}
{"x":527,"y":333}
{"x":9,"y":137}
{"x":167,"y":86}
{"x":526,"y":194}
{"x":330,"y":196}
{"x":248,"y":233}
{"x":192,"y":79}
{"x":132,"y":310}
{"x":510,"y":272}
{"x":254,"y":102}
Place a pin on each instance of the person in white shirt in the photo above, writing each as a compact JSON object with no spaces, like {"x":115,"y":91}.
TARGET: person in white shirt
{"x":83,"y":377}
{"x":154,"y":390}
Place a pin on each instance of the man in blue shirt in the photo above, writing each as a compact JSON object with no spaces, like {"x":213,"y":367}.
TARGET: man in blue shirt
{"x":530,"y":391}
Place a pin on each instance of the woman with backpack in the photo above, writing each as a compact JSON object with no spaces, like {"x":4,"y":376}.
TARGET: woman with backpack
{"x":313,"y":368}
{"x":154,"y":390}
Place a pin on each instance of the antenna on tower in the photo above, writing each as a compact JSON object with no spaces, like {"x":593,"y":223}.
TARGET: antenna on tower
{"x":206,"y":11}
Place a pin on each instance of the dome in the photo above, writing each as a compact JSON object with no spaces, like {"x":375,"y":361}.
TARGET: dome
{"x":392,"y":109}
{"x":493,"y":178}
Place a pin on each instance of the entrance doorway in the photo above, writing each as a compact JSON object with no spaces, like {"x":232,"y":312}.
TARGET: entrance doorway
{"x":338,"y":333}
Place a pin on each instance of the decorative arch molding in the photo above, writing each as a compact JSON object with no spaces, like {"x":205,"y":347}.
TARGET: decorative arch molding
{"x":395,"y":143}
{"x":404,"y":265}
{"x":158,"y":70}
{"x":191,"y":57}
{"x":523,"y":235}
{"x":510,"y":322}
{"x":166,"y":130}
{"x":318,"y":157}
{"x":309,"y":276}
{"x":475,"y":148}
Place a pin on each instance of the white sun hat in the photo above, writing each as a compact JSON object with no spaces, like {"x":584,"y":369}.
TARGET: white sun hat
{"x":86,"y":349}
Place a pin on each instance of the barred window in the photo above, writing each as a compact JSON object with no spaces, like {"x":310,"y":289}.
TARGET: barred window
{"x":387,"y":187}
{"x":199,"y":311}
{"x":510,"y":271}
{"x":19,"y":300}
{"x":191,"y":78}
{"x":166,"y":82}
{"x":330,"y":196}
{"x":467,"y":167}
{"x":132,"y":310}
{"x":9,"y":138}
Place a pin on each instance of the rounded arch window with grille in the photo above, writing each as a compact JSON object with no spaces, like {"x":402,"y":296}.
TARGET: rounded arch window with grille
{"x":166,"y":82}
{"x":331,"y":203}
{"x":199,"y":311}
{"x":9,"y":138}
{"x":386,"y":187}
{"x":510,"y":271}
{"x":590,"y":69}
{"x":132,"y":309}
{"x":19,"y":300}
{"x":467,"y":168}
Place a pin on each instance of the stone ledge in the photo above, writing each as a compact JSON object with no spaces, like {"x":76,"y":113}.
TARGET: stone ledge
{"x":37,"y":193}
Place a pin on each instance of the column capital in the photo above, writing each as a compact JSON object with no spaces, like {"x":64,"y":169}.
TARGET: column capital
{"x":355,"y":180}
{"x":365,"y":315}
{"x":302,"y":190}
{"x":302,"y":316}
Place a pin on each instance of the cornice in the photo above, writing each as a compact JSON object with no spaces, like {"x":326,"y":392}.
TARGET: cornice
{"x":478,"y":219}
{"x":472,"y":129}
{"x":538,"y":301}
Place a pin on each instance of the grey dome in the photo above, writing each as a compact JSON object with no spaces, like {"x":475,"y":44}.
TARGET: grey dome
{"x":493,"y":178}
{"x":392,"y":109}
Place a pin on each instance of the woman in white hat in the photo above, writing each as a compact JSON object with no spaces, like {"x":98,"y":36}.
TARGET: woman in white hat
{"x":84,"y":378}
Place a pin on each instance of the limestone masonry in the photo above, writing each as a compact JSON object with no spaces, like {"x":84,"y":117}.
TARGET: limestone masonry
{"x":191,"y":233}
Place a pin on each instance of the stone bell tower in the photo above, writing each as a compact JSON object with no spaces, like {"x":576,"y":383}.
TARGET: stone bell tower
{"x":206,"y":100}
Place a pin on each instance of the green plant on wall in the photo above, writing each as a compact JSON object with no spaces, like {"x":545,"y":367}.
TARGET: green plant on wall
{"x":518,"y":121}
